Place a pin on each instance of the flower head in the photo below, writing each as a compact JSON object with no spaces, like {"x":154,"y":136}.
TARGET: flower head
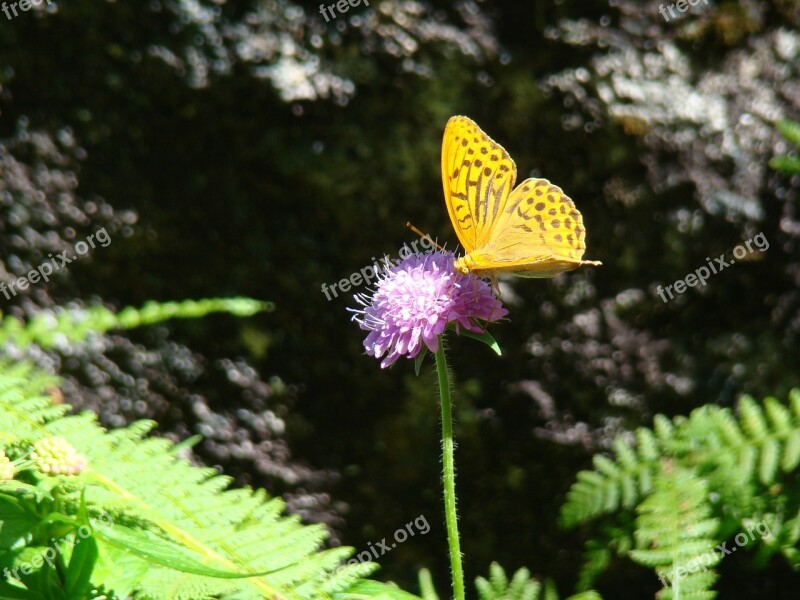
{"x":56,"y":456}
{"x":6,"y":467}
{"x":415,"y":300}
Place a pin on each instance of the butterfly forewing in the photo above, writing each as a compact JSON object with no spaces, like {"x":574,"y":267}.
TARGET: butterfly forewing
{"x":478,"y":175}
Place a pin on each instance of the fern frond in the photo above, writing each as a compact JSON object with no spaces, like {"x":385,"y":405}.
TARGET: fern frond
{"x":762,"y":444}
{"x":613,"y":484}
{"x":676,"y":535}
{"x":521,"y":587}
{"x":23,"y":394}
{"x":597,"y":557}
{"x":497,"y":587}
{"x":165,"y":502}
{"x":746,"y":464}
{"x":51,"y":327}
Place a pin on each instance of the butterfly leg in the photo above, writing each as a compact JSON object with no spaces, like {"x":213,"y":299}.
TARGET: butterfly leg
{"x":496,"y":290}
{"x":496,"y":287}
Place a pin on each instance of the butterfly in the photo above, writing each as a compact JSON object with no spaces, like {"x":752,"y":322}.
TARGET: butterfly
{"x":532,"y":230}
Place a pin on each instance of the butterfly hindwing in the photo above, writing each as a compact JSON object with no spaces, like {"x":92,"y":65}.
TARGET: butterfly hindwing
{"x":478,"y":175}
{"x":539,"y":234}
{"x":542,"y":215}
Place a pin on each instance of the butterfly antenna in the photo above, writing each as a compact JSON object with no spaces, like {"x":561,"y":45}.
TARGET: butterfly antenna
{"x":423,"y":235}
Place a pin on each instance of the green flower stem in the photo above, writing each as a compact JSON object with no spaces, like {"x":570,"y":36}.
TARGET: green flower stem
{"x":449,"y":474}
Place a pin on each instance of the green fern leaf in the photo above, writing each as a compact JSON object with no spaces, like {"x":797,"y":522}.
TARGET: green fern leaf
{"x":675,"y":534}
{"x":194,"y":522}
{"x":790,"y":130}
{"x":752,"y":417}
{"x":427,"y":589}
{"x":745,"y":465}
{"x":791,"y":452}
{"x":49,"y":328}
{"x":768,"y":466}
{"x":521,"y":587}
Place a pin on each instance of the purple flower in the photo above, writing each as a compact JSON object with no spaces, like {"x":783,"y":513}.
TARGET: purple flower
{"x":415,"y":300}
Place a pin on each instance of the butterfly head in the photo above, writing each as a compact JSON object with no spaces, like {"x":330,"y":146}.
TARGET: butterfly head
{"x":464,"y":264}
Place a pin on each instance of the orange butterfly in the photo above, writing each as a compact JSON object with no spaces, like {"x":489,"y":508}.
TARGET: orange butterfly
{"x":533,"y":230}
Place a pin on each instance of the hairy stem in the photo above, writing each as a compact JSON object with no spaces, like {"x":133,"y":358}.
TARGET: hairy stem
{"x":448,"y":463}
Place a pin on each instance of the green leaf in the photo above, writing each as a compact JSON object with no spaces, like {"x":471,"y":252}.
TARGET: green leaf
{"x":550,"y":592}
{"x":12,"y":592}
{"x":419,"y":358}
{"x":426,"y":587}
{"x":57,"y":518}
{"x":49,"y":582}
{"x":790,"y":130}
{"x":791,"y":453}
{"x":374,"y":589}
{"x":119,"y":570}
{"x":768,"y":466}
{"x":786,"y":164}
{"x":16,"y":523}
{"x":485,"y":337}
{"x":40,"y":582}
{"x":186,"y":444}
{"x":19,"y":488}
{"x":162,"y":552}
{"x":81,"y":566}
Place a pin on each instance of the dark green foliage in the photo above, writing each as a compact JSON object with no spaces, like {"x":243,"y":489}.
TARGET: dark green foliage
{"x":694,"y":483}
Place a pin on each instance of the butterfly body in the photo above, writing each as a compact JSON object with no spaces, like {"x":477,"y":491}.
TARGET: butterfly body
{"x":531,"y":230}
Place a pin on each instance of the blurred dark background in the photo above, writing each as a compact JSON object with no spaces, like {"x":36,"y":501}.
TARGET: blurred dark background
{"x":250,"y":148}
